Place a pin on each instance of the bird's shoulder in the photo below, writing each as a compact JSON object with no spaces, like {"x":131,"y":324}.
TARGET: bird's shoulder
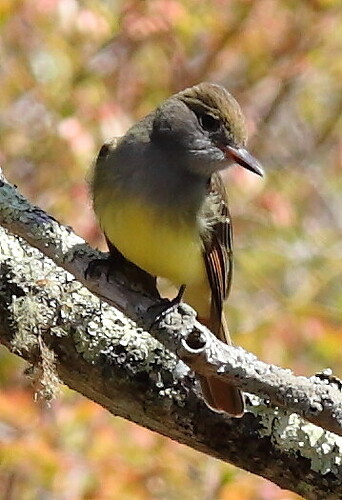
{"x":215,"y":210}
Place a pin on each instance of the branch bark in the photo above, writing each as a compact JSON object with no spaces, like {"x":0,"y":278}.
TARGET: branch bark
{"x":51,"y":320}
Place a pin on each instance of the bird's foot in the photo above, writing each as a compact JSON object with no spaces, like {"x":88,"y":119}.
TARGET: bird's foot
{"x":97,"y":267}
{"x":118,"y":268}
{"x":179,"y":296}
{"x":164,"y":305}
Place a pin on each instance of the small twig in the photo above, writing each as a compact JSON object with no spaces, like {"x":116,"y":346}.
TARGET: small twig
{"x":315,"y":398}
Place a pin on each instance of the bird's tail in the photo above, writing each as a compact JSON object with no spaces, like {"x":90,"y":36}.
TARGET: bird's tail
{"x":219,"y":395}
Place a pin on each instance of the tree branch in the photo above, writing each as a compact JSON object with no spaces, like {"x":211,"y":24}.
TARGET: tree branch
{"x":51,"y":320}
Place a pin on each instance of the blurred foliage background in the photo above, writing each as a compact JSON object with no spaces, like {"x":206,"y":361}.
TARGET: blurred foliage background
{"x":74,"y":73}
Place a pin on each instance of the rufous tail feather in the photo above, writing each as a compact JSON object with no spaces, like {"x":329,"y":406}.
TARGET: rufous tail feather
{"x":219,"y":395}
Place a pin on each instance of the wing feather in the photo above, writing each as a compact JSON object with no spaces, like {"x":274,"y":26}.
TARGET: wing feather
{"x":218,"y":251}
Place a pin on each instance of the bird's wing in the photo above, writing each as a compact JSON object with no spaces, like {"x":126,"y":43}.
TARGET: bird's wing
{"x":218,"y":251}
{"x":218,"y":257}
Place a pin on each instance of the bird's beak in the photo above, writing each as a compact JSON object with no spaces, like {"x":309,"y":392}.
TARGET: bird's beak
{"x":243,"y":158}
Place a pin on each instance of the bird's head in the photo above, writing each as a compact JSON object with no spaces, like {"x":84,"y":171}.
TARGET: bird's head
{"x":205,"y":126}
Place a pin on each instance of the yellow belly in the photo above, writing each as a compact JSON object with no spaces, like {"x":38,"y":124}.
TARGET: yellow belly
{"x":160,"y":246}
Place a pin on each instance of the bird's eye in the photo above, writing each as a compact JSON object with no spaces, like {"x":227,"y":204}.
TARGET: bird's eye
{"x":209,"y":123}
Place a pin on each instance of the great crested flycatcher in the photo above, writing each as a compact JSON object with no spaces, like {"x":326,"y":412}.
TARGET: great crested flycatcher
{"x":162,"y":204}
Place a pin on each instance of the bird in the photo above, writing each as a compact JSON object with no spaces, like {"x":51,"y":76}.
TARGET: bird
{"x":161,"y":201}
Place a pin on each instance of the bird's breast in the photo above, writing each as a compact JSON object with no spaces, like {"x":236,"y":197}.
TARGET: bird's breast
{"x":161,"y":244}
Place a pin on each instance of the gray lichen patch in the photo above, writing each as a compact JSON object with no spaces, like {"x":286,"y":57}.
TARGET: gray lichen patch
{"x":321,"y":447}
{"x":32,"y":317}
{"x":26,"y":313}
{"x":44,"y":375}
{"x":102,"y":331}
